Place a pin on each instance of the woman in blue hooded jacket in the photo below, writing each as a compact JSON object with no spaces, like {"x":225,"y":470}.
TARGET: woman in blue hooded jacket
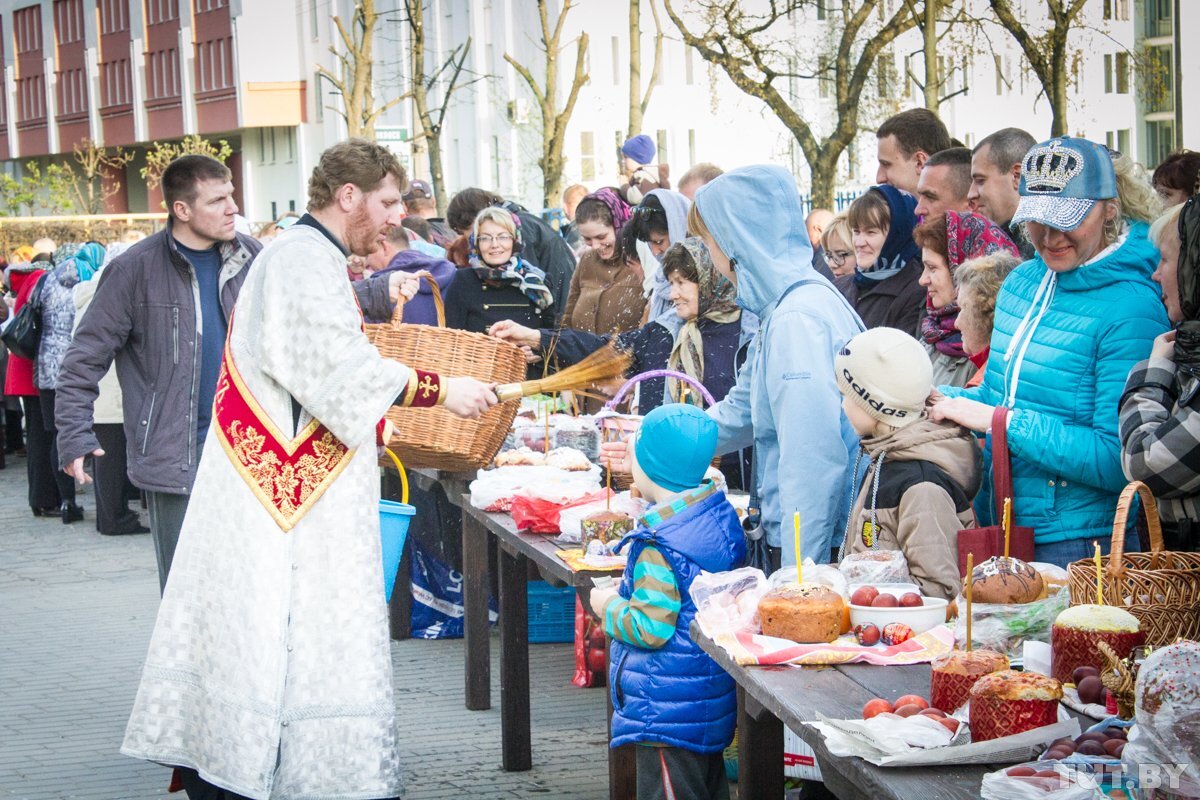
{"x":786,"y":401}
{"x":1070,"y":323}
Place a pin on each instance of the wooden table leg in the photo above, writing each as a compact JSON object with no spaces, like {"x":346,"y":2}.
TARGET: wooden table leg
{"x":760,"y":751}
{"x":475,"y":615}
{"x":514,"y":663}
{"x":622,"y":761}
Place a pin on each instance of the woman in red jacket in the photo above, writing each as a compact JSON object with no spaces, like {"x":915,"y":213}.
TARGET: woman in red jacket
{"x":44,"y":498}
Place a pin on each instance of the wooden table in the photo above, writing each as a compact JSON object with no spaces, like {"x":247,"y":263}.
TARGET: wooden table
{"x":770,"y":697}
{"x":517,"y":553}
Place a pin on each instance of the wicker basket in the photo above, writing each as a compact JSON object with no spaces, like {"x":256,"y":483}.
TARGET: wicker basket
{"x":1160,"y":588}
{"x":616,"y":427}
{"x":433,"y":437}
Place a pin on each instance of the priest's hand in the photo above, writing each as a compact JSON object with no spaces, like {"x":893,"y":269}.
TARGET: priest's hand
{"x":468,"y":397}
{"x":75,"y":468}
{"x":511,"y":332}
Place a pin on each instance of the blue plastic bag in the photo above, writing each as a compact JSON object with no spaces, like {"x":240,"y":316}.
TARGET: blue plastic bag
{"x":437,"y":590}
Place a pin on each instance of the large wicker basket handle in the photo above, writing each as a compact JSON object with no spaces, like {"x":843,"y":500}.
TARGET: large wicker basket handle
{"x":659,"y":373}
{"x":438,"y":304}
{"x":1116,"y":565}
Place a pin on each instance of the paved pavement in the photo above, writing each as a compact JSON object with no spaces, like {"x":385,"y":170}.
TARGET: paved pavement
{"x":76,"y":611}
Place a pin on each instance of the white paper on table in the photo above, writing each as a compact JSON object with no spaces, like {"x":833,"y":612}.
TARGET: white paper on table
{"x":853,"y":737}
{"x":1071,"y":700}
{"x":1035,"y":657}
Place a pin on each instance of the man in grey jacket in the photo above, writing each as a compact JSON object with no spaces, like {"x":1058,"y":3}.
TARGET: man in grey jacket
{"x":162,"y":309}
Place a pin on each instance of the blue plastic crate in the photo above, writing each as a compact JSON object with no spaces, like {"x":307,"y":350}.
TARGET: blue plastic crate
{"x":551,"y":613}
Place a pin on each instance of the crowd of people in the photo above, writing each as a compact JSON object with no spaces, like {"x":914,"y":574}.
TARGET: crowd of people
{"x":857,"y":361}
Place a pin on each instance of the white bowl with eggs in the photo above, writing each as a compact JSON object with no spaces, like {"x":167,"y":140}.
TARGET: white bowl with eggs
{"x":920,"y":618}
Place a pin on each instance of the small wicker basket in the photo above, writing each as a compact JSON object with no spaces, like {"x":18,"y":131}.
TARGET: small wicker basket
{"x":1161,"y":588}
{"x":433,"y":437}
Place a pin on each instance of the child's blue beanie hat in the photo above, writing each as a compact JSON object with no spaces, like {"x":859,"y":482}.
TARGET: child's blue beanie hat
{"x":675,"y":445}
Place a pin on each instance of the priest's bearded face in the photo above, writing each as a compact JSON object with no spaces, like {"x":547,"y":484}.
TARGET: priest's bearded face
{"x":373,"y":216}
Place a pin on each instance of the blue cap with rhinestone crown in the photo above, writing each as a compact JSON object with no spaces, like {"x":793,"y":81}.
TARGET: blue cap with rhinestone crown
{"x":1061,"y":181}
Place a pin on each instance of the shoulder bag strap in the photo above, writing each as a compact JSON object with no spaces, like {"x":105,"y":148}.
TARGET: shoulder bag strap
{"x":1002,"y":480}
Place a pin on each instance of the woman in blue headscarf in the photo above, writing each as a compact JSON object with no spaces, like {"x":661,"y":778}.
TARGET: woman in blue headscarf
{"x":74,"y":264}
{"x":885,"y":289}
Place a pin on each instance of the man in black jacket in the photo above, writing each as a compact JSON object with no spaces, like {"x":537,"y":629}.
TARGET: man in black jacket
{"x":162,"y":309}
{"x":542,"y":246}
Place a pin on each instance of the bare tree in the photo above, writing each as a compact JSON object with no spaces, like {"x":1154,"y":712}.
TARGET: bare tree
{"x":1046,"y":50}
{"x":639,"y":102}
{"x":355,"y":83}
{"x":748,"y":50}
{"x":928,"y":22}
{"x":554,"y":119}
{"x":427,"y":87}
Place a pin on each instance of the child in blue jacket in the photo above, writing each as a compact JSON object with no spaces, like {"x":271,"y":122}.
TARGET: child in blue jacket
{"x":668,"y":695}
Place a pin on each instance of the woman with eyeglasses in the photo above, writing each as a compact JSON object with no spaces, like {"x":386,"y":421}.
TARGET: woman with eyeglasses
{"x":497,"y":284}
{"x":837,"y":241}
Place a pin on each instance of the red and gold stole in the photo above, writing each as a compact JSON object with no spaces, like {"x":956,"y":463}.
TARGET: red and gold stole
{"x":286,"y":475}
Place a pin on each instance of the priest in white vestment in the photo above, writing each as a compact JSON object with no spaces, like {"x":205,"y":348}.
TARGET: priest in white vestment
{"x":269,"y":672}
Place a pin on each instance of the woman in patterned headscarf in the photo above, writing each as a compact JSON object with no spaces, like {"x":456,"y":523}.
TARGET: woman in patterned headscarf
{"x":946,"y":241}
{"x":702,"y":336}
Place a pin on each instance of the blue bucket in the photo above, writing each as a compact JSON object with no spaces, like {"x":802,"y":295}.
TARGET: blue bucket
{"x":394,"y":519}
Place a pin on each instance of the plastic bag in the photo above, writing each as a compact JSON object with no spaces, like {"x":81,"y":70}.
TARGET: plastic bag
{"x":727,"y":602}
{"x":1005,"y":628}
{"x":542,"y":516}
{"x":437,"y":611}
{"x":876,"y":566}
{"x":1167,"y":733}
{"x":824,"y":574}
{"x":571,"y":519}
{"x":494,"y":489}
{"x":1070,"y":784}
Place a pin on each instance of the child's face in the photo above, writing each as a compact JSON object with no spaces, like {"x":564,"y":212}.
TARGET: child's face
{"x":644,"y":485}
{"x":862,"y":422}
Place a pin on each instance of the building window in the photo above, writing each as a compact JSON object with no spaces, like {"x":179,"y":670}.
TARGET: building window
{"x":1163,"y":68}
{"x":662,"y":147}
{"x":1160,"y":141}
{"x":160,"y":11}
{"x":587,"y":156}
{"x":496,"y":162}
{"x":691,"y":146}
{"x":616,"y":60}
{"x":823,"y":82}
{"x":162,"y":74}
{"x":689,"y":66}
{"x":820,"y":9}
{"x":114,"y":16}
{"x":68,"y":21}
{"x":1122,"y":67}
{"x":28,"y":22}
{"x":1108,"y":73}
{"x":1159,"y":14}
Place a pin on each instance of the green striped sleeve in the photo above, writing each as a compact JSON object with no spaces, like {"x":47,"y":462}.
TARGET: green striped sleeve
{"x":647,"y":619}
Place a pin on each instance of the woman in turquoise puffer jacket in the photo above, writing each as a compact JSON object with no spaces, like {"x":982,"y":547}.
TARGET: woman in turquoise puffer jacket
{"x":1069,"y":325}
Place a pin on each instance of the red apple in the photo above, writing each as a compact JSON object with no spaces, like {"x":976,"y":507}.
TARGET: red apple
{"x":875,"y":707}
{"x":885,"y":600}
{"x":911,"y":600}
{"x":913,"y":699}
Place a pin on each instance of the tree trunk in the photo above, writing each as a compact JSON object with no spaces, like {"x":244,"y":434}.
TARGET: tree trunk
{"x":635,"y":68}
{"x":933,"y":76}
{"x":433,"y":140}
{"x":1056,"y":92}
{"x":824,"y":175}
